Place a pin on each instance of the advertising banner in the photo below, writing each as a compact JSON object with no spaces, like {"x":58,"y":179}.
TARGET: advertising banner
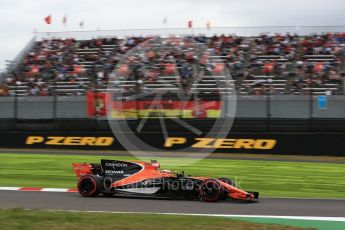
{"x":269,"y":143}
{"x":166,"y":108}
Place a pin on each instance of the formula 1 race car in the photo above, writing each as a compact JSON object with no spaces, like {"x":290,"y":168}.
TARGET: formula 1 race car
{"x":132,"y":178}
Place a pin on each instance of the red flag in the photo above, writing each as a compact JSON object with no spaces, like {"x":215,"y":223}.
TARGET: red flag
{"x":190,"y":24}
{"x":48,"y":19}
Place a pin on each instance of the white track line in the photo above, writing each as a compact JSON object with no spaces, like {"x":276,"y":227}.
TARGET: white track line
{"x":54,"y":190}
{"x":303,"y":198}
{"x":341,"y":219}
{"x":36,"y":189}
{"x":10,"y":188}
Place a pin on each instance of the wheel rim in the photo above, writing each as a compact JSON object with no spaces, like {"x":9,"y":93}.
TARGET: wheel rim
{"x":210,"y":191}
{"x":87,"y":186}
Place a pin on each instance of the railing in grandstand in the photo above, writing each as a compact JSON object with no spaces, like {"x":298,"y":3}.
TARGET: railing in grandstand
{"x":13,"y":64}
{"x":2,"y":75}
{"x":166,"y":32}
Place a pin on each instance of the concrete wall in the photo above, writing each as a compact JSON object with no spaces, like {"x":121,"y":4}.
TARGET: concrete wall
{"x":289,"y":106}
{"x":279,"y":106}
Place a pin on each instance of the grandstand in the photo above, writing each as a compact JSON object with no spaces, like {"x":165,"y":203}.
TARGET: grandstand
{"x":280,"y":64}
{"x":279,"y":78}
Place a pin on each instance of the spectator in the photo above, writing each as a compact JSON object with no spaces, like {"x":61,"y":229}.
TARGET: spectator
{"x":81,"y":63}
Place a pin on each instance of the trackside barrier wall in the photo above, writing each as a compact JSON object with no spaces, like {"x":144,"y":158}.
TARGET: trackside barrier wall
{"x":273,"y":143}
{"x":274,"y":106}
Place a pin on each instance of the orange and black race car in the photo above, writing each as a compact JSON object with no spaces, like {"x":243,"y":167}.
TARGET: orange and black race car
{"x":137,"y":178}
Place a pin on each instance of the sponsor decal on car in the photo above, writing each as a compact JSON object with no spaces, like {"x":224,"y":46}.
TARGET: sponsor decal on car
{"x":116,"y":165}
{"x":113,"y":171}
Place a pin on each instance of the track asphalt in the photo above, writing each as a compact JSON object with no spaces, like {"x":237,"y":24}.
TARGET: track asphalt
{"x":266,"y":206}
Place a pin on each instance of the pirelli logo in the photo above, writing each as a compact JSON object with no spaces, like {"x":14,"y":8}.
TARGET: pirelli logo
{"x":221,"y":143}
{"x":170,"y":142}
{"x":62,"y":140}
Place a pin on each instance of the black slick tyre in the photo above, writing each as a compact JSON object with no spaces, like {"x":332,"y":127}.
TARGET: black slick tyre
{"x":89,"y":185}
{"x":210,"y":190}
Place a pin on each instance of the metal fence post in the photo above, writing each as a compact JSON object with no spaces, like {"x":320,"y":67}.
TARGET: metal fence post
{"x":15,"y":108}
{"x":54,"y":100}
{"x":268,"y":110}
{"x":311,"y":114}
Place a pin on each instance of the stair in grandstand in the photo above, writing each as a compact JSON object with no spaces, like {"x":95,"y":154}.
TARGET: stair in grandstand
{"x":278,"y":58}
{"x":84,"y":54}
{"x":69,"y":88}
{"x":319,"y":58}
{"x":19,"y":90}
{"x":214,"y":84}
{"x":324,"y":89}
{"x":262,"y":84}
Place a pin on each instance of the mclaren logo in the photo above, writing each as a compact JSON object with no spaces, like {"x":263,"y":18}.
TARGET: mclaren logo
{"x":61,"y":140}
{"x":223,"y":143}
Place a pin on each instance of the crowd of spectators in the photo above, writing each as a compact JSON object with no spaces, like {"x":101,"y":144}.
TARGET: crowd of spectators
{"x":89,"y":64}
{"x":305,"y":62}
{"x":179,"y":58}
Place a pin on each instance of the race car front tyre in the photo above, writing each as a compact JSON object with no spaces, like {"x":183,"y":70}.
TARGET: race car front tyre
{"x":90,"y":185}
{"x":210,"y":190}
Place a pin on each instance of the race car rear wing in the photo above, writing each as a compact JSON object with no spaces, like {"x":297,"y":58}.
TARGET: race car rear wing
{"x":82,"y":169}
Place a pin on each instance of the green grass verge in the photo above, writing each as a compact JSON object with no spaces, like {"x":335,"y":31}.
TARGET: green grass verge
{"x":58,"y":220}
{"x":316,"y":224}
{"x":270,"y":178}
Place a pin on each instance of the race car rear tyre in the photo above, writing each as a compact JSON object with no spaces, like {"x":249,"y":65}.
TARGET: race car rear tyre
{"x":90,"y":185}
{"x":227,"y":181}
{"x":210,"y":190}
